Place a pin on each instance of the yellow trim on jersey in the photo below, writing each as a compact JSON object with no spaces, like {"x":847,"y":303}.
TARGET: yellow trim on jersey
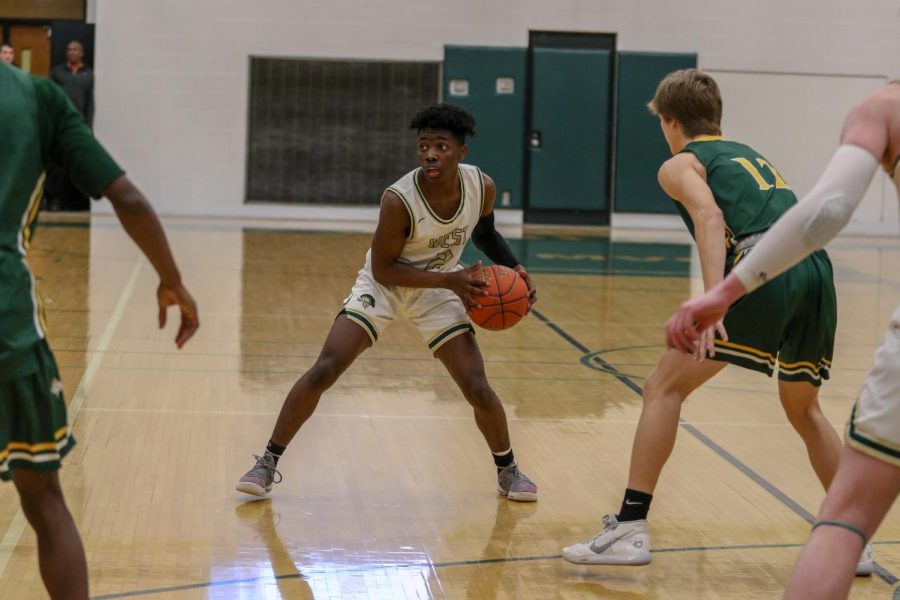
{"x":746,"y":349}
{"x":799,"y":363}
{"x":41,"y":311}
{"x":40,"y":321}
{"x":707,"y":138}
{"x":32,"y":448}
{"x":462,"y":197}
{"x":24,"y":240}
{"x":814,"y":374}
{"x":31,"y":212}
{"x":61,"y":436}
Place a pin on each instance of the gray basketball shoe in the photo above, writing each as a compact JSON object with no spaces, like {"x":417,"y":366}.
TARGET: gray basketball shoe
{"x":258,"y":480}
{"x":513,"y":484}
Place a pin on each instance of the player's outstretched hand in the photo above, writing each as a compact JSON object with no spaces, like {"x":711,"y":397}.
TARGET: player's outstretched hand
{"x":697,"y":317}
{"x":468,"y":284}
{"x":177,"y":295}
{"x":532,"y":293}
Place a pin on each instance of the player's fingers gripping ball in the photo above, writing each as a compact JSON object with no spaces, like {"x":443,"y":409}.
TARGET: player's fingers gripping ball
{"x":505,"y":301}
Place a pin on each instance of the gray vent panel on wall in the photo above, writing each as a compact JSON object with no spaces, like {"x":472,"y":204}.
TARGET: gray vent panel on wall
{"x":332,"y":132}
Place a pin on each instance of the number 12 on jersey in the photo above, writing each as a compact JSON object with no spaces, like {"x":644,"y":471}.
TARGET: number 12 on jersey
{"x":754,"y":172}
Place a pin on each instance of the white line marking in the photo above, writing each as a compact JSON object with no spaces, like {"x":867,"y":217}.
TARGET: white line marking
{"x":17,"y":525}
{"x":100,"y":350}
{"x":264,"y":413}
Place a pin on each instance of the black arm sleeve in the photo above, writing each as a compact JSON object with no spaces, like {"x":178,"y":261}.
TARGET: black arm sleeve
{"x":488,"y":240}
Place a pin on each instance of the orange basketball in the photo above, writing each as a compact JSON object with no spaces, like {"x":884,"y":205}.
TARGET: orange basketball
{"x":506,"y":301}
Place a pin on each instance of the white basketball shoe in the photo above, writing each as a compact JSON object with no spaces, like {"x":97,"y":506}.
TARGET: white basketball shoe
{"x":866,"y":564}
{"x":625,"y":543}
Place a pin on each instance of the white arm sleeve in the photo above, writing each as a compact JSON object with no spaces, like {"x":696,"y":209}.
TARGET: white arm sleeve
{"x":814,"y":221}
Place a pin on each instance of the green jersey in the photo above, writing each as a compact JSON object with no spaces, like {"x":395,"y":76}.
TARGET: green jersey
{"x":747,"y":188}
{"x":37,"y":124}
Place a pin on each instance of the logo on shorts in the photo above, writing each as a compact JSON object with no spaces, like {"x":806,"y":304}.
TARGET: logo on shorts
{"x":56,"y":387}
{"x":367,"y":301}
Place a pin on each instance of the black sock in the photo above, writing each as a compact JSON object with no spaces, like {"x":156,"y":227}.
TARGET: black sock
{"x":275,"y":450}
{"x":635,"y":506}
{"x":503,"y":459}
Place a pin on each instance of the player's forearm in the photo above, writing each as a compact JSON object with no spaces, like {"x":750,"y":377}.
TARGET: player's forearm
{"x":710,"y":235}
{"x":398,"y":274}
{"x":141,"y":223}
{"x":488,"y":240}
{"x":814,"y":221}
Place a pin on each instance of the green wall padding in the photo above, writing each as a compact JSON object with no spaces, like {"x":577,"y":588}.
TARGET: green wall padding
{"x":640,"y":145}
{"x":498,"y":149}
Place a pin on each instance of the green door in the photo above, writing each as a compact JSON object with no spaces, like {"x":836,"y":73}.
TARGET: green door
{"x":568,"y":144}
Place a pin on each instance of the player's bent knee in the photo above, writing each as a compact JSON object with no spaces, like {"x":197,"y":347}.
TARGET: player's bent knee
{"x":801,"y":419}
{"x":477,"y":391}
{"x":658,"y":388}
{"x":324,"y":373}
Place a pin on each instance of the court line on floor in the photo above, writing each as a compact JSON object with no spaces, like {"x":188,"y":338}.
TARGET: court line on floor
{"x":305,"y":573}
{"x":17,"y":526}
{"x":274,"y":413}
{"x":779,"y":495}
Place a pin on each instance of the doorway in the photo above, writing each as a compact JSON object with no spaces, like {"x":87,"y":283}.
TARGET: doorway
{"x":569,"y":127}
{"x":32,"y":48}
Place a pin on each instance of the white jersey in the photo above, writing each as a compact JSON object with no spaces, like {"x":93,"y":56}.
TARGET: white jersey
{"x":436,"y":244}
{"x":874,"y":426}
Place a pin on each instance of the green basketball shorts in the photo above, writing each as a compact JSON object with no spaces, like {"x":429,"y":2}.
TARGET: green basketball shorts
{"x":790,"y":322}
{"x":34,"y":432}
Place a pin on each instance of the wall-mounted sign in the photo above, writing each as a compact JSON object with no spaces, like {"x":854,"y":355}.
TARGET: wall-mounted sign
{"x":506,"y":85}
{"x":459,"y":87}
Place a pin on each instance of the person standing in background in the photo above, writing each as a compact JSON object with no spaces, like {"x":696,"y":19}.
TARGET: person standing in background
{"x":7,"y":54}
{"x":77,"y":81}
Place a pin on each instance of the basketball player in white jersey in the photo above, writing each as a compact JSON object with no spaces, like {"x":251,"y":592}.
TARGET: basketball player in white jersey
{"x":412,"y":270}
{"x":868,"y":478}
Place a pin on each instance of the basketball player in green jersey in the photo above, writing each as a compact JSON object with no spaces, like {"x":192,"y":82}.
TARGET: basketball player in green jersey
{"x":37,"y":124}
{"x":728,"y":195}
{"x":868,"y":479}
{"x":412,"y":271}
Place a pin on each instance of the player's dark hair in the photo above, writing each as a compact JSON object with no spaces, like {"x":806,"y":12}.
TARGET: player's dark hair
{"x":445,"y":117}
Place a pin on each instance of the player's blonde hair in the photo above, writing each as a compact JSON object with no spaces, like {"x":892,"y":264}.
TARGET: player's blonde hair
{"x":692,"y":97}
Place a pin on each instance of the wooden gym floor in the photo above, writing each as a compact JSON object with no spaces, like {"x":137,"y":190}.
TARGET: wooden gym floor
{"x":389,"y":491}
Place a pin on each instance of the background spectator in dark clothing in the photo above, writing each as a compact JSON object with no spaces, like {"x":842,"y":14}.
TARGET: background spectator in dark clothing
{"x":77,"y":81}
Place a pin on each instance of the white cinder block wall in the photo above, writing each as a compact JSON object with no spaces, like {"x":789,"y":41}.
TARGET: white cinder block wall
{"x":172,"y":75}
